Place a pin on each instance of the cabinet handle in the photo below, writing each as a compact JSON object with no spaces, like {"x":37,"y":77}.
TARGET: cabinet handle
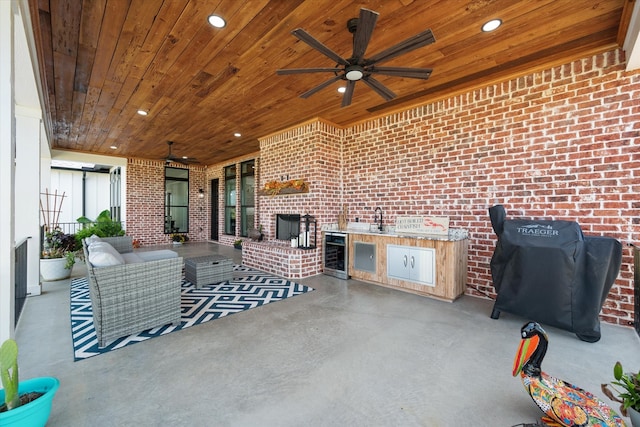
{"x":412,"y":261}
{"x":405,"y":260}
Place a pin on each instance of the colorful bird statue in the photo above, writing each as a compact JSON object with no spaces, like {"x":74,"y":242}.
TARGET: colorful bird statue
{"x":564,"y":404}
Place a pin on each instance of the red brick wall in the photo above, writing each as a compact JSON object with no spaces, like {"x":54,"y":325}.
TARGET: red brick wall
{"x":311,"y":152}
{"x":559,"y":144}
{"x":145,"y":202}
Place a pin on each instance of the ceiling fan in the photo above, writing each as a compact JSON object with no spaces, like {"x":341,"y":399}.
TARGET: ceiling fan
{"x":184,"y":160}
{"x":357,"y":67}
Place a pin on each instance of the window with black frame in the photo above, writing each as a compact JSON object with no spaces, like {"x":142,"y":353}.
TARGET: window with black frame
{"x":176,"y":200}
{"x":247,"y":202}
{"x":230,"y":200}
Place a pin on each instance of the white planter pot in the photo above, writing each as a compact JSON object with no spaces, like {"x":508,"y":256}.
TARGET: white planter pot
{"x":53,"y":269}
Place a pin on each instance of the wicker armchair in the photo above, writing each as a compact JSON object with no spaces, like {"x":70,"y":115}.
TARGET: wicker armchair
{"x":131,"y":298}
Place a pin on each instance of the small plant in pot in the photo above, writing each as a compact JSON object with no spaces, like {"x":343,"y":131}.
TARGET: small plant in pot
{"x":237,"y":244}
{"x":179,"y":238}
{"x":59,"y":245}
{"x":626,"y":391}
{"x":26,"y":403}
{"x":59,"y":251}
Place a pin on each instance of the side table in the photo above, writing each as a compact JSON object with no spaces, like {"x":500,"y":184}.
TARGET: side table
{"x":207,"y":270}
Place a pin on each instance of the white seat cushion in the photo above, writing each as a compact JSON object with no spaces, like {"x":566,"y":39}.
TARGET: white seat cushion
{"x":102,"y":254}
{"x":156,"y":255}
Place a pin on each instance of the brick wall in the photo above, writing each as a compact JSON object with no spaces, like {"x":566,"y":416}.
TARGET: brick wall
{"x":559,"y":144}
{"x":145,"y":202}
{"x":313,"y":152}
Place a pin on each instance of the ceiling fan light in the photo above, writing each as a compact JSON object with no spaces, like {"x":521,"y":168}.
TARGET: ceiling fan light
{"x":355,"y":74}
{"x":342,"y":89}
{"x":491,"y":25}
{"x":216,"y":21}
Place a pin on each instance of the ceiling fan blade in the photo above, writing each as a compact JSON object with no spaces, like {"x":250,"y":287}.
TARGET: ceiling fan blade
{"x":413,"y":73}
{"x":348,"y":94}
{"x":306,"y":70}
{"x":311,"y":41}
{"x":366,"y":24}
{"x":422,"y":39}
{"x":320,"y":86}
{"x":379,"y":88}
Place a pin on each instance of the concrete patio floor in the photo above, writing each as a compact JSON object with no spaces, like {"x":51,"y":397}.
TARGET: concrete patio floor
{"x":347,"y":354}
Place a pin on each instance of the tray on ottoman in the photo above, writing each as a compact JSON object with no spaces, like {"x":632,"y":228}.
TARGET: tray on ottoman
{"x":207,"y":270}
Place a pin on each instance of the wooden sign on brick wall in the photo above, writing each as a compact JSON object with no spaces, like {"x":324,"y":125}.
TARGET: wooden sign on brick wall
{"x":423,"y":224}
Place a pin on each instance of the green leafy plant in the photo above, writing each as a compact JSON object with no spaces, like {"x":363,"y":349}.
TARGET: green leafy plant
{"x":625,"y":389}
{"x":9,"y":373}
{"x":57,"y":244}
{"x":103,"y":226}
{"x":237,"y":243}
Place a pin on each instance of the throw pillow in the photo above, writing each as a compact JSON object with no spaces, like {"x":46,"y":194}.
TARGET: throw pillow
{"x":102,"y":254}
{"x":92,"y":239}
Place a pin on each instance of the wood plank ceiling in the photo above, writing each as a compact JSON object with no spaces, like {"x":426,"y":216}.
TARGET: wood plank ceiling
{"x":103,"y":60}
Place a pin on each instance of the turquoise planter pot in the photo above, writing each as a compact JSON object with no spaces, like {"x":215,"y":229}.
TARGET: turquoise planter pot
{"x":36,"y":413}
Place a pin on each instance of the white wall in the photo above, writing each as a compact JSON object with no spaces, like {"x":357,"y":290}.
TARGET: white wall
{"x":98,"y":198}
{"x":7,"y":171}
{"x":70,"y":183}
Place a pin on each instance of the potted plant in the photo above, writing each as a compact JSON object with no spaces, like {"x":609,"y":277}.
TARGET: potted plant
{"x":103,"y":226}
{"x":625,"y":390}
{"x":179,"y":238}
{"x":58,"y":255}
{"x":27,"y":403}
{"x":237,"y":244}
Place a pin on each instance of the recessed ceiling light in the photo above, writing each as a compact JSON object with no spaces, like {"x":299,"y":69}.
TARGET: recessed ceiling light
{"x":113,"y":147}
{"x":216,"y":21}
{"x":237,"y":134}
{"x":342,"y":89}
{"x":491,"y":25}
{"x":142,"y":112}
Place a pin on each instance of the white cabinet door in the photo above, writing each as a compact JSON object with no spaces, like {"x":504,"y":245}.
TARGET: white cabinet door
{"x":398,"y":261}
{"x":422,"y":261}
{"x":411,"y":263}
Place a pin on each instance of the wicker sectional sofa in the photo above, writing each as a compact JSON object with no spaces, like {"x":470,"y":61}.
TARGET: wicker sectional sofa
{"x":134,"y":291}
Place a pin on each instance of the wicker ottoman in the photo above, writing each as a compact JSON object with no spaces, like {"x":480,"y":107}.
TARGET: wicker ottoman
{"x":207,"y":270}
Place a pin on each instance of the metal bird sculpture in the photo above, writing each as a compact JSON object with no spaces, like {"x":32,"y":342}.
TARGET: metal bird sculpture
{"x":564,"y":404}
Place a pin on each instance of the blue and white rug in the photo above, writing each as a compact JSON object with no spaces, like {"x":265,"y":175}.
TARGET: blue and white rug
{"x":249,"y":289}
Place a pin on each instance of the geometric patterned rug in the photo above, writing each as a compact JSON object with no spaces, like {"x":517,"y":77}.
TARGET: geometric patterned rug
{"x":249,"y":289}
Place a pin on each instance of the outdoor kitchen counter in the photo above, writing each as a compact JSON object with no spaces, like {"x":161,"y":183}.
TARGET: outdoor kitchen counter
{"x":454,"y":234}
{"x":425,"y":264}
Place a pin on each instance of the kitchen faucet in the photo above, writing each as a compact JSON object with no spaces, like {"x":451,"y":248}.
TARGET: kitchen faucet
{"x":375,"y":218}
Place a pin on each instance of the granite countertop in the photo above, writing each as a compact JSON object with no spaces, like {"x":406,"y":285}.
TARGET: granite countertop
{"x":455,"y":234}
